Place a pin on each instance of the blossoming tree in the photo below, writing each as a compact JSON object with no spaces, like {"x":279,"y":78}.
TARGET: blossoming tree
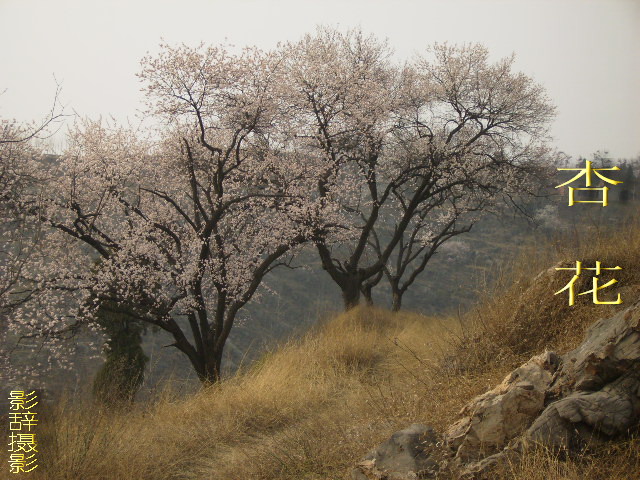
{"x":324,"y":140}
{"x":19,"y":159}
{"x":177,"y":228}
{"x":405,"y":144}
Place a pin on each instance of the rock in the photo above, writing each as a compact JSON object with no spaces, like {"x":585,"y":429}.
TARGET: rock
{"x":408,"y":454}
{"x":483,"y":469}
{"x":589,"y":395}
{"x":561,"y":402}
{"x":611,"y":348}
{"x":583,"y":417}
{"x":597,"y":389}
{"x":358,"y":474}
{"x":491,"y":420}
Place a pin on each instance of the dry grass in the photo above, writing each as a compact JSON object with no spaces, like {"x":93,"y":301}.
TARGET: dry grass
{"x":617,"y":461}
{"x":520,"y":315}
{"x":305,"y":411}
{"x":311,"y":408}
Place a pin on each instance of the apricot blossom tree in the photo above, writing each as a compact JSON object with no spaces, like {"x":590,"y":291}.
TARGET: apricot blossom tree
{"x":326,"y":140}
{"x":175,"y":228}
{"x":402,"y":145}
{"x":19,"y":158}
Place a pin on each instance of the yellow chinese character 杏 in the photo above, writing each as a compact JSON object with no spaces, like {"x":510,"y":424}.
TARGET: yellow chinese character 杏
{"x":587,"y":172}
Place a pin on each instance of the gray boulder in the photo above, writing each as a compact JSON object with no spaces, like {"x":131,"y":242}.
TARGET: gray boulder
{"x":611,"y":348}
{"x":584,"y":418}
{"x":408,"y":454}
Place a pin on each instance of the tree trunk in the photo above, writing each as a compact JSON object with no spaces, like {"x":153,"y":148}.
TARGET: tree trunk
{"x":366,"y":293}
{"x":368,"y":287}
{"x":208,"y":367}
{"x":396,"y":293}
{"x":396,"y":300}
{"x":351,"y":292}
{"x":213,"y":368}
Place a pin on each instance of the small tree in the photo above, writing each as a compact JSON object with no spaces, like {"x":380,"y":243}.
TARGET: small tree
{"x":427,"y":231}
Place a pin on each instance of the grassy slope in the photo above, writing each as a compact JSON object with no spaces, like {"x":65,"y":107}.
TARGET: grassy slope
{"x":314,"y":406}
{"x":302,"y":295}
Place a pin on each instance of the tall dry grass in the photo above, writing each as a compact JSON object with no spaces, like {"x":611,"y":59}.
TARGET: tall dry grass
{"x":519,"y":315}
{"x":312,"y":407}
{"x":617,"y":461}
{"x":305,"y":410}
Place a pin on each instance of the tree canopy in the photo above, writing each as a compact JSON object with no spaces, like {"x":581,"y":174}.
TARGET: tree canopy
{"x":325,"y":141}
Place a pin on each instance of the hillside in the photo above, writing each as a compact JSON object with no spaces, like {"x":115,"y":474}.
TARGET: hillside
{"x":296,"y":298}
{"x":314,"y":406}
{"x":457,"y":277}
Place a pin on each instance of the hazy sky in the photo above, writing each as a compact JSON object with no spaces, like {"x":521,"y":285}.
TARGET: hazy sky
{"x":586,"y":53}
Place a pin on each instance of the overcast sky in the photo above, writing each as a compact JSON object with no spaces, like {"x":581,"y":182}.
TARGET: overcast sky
{"x":586,"y":53}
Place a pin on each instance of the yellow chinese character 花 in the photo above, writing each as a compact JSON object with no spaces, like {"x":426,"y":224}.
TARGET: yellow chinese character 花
{"x":598,"y":269}
{"x":587,"y":172}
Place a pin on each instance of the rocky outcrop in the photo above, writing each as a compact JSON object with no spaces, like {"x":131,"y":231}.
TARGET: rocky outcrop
{"x":492,"y":420}
{"x":590,"y":394}
{"x":611,"y":348}
{"x":585,"y":417}
{"x":596,"y":392}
